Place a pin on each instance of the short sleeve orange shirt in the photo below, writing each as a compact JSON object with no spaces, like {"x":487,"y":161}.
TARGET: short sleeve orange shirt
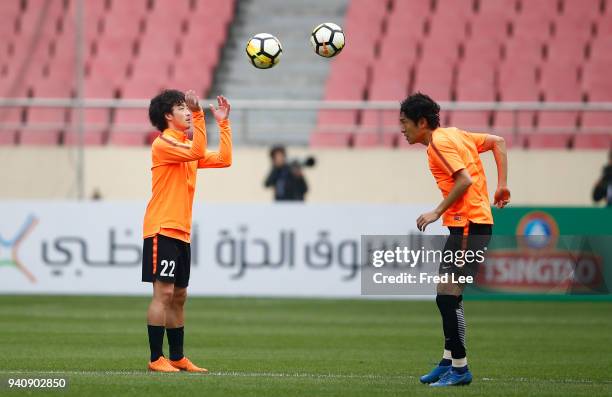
{"x":449,"y":151}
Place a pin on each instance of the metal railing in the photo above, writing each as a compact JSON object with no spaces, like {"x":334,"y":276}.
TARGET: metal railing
{"x":249,"y":132}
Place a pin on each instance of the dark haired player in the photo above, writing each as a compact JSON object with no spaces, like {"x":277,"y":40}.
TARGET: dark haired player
{"x":455,"y":163}
{"x":167,"y":223}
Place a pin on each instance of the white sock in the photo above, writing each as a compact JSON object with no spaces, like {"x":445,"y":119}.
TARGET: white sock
{"x":447,"y":355}
{"x":459,"y":362}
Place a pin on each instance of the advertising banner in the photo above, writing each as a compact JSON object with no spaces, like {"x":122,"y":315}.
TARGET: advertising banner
{"x":294,"y":249}
{"x":552,"y":251}
{"x":237,"y":249}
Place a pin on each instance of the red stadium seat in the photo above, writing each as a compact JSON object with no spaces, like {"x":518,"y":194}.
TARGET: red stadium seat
{"x":602,"y":141}
{"x":372,"y":139}
{"x":337,"y":121}
{"x":120,"y":21}
{"x":414,"y":7}
{"x":90,"y":138}
{"x":143,"y":86}
{"x":123,"y":138}
{"x":539,"y":7}
{"x":533,"y":26}
{"x":384,"y":88}
{"x":522,"y":52}
{"x":485,"y":50}
{"x":449,"y":32}
{"x":362,"y":13}
{"x":493,"y":28}
{"x":136,"y":118}
{"x":570,"y":30}
{"x":330,"y":139}
{"x":582,"y":10}
{"x":475,"y":82}
{"x":11,"y":118}
{"x":604,"y":25}
{"x":8,"y":137}
{"x":103,"y":79}
{"x":380,"y":120}
{"x":596,"y":121}
{"x":56,"y":117}
{"x":597,"y":84}
{"x":557,"y":120}
{"x":476,"y":121}
{"x":508,"y":120}
{"x":552,"y":73}
{"x":601,"y":48}
{"x":399,"y":36}
{"x":548,"y":141}
{"x":417,"y":8}
{"x":44,"y":138}
{"x":516,"y":84}
{"x":456,"y":13}
{"x":346,"y":81}
{"x":9,"y":10}
{"x":434,"y":75}
{"x":570,"y":52}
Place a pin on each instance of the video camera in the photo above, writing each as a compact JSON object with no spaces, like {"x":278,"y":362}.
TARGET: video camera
{"x":303,"y":163}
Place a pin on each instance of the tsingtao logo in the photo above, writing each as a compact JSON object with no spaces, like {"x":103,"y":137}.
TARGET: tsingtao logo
{"x":12,"y":245}
{"x":537,"y":230}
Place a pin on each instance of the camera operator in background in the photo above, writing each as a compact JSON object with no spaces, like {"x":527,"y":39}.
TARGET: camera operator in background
{"x":286,"y":177}
{"x":603,"y":188}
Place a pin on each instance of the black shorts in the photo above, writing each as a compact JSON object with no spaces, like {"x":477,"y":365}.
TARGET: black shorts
{"x":166,"y":259}
{"x":459,"y":243}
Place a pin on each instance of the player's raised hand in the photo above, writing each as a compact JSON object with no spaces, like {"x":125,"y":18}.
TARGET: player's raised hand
{"x":501,"y":197}
{"x":223,"y":109}
{"x":192,"y":101}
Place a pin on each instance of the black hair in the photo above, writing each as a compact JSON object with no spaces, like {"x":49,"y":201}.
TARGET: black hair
{"x":418,"y":106}
{"x":277,"y":149}
{"x":162,"y":105}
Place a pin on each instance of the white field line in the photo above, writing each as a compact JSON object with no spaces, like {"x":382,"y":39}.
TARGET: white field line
{"x":295,"y":375}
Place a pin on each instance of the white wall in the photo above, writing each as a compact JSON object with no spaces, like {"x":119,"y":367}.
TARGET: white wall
{"x":376,"y":175}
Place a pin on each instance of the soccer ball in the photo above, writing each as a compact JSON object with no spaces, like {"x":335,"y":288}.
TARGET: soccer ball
{"x":327,"y":39}
{"x":264,"y":50}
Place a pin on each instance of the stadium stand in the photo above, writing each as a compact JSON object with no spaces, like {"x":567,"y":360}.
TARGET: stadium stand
{"x":453,"y":50}
{"x":126,"y":53}
{"x":477,"y":50}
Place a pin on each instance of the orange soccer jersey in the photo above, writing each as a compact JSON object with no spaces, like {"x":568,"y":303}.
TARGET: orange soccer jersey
{"x":175,"y":163}
{"x":449,"y":151}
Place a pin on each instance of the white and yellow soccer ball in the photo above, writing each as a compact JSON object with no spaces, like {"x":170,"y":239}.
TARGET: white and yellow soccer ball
{"x":264,"y":50}
{"x":327,"y":39}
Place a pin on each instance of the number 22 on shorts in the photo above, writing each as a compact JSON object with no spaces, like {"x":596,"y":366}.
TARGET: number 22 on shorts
{"x":165,"y":265}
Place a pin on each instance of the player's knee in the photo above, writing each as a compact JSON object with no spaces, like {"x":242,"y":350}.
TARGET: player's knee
{"x":179,"y":297}
{"x":164,"y":297}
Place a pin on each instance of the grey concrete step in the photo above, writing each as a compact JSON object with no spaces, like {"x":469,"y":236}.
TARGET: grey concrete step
{"x":301,"y":74}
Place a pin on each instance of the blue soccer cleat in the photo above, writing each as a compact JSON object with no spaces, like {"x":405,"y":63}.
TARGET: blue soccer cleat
{"x":435,"y":374}
{"x":454,"y":378}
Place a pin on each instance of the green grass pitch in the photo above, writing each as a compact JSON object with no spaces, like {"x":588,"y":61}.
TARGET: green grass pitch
{"x":305,"y":347}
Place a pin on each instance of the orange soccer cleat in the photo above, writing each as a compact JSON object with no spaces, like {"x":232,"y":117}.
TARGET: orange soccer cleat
{"x":162,"y":365}
{"x":185,"y":365}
